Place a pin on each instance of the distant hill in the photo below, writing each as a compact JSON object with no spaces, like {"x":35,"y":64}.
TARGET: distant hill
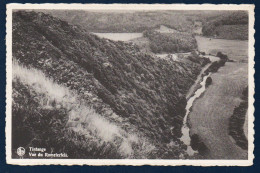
{"x":128,"y":21}
{"x":93,"y":97}
{"x":228,"y":26}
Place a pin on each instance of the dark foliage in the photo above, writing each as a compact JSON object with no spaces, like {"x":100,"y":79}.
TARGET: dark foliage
{"x":135,"y":21}
{"x":208,"y":81}
{"x":217,"y":64}
{"x":237,"y":120}
{"x":222,"y":56}
{"x":198,"y":145}
{"x":228,"y":26}
{"x":170,"y":42}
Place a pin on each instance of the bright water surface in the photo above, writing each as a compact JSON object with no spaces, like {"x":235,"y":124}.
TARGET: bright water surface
{"x":185,"y":129}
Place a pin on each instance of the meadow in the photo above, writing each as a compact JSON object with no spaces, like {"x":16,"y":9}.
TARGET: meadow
{"x":119,"y":36}
{"x":210,"y":114}
{"x":237,"y":50}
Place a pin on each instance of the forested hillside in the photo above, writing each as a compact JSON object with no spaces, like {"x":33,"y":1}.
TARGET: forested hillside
{"x":94,"y":98}
{"x":128,"y":21}
{"x":170,"y":42}
{"x":228,"y":26}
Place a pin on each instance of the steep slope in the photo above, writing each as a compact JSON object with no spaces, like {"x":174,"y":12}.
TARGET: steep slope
{"x":132,"y":91}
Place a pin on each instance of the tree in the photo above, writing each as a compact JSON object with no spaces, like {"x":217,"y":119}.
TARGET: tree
{"x":208,"y":81}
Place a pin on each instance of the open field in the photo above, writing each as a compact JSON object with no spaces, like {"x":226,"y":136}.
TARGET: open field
{"x":237,"y":50}
{"x":119,"y":36}
{"x":210,"y":114}
{"x":165,"y":29}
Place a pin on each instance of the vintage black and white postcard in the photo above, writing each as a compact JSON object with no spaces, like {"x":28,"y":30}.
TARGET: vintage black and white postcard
{"x":130,"y":84}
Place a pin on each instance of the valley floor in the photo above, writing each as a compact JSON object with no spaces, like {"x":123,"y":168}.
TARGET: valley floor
{"x":210,"y":114}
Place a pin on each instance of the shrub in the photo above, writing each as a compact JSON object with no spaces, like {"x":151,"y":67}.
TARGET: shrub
{"x":197,"y":144}
{"x":222,"y":56}
{"x":208,"y":81}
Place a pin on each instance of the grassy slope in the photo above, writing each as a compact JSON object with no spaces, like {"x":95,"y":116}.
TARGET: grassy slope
{"x":220,"y":99}
{"x":237,"y":49}
{"x":96,"y":71}
{"x":61,"y":112}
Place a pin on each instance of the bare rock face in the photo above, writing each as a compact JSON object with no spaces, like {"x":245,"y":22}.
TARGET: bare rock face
{"x":147,"y":94}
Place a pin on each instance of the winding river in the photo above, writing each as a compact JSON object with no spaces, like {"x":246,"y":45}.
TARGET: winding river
{"x":191,"y":96}
{"x":185,"y":128}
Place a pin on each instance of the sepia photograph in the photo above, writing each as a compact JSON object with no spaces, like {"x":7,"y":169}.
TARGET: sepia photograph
{"x":130,"y":84}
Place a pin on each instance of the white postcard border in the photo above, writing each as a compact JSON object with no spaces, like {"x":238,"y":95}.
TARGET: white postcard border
{"x":138,"y":162}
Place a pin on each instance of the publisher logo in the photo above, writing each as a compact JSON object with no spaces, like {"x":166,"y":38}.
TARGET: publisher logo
{"x":20,"y":151}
